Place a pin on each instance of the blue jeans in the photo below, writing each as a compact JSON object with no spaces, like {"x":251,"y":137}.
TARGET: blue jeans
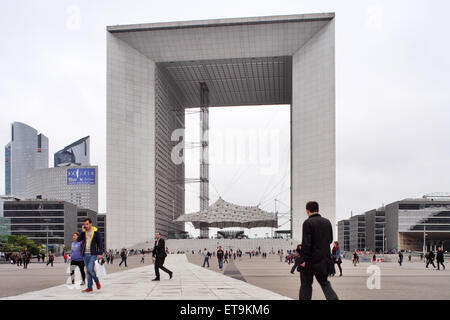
{"x":220,"y":263}
{"x":89,"y":262}
{"x":206,"y":261}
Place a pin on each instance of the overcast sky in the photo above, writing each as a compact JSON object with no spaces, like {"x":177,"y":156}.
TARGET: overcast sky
{"x":392,"y":91}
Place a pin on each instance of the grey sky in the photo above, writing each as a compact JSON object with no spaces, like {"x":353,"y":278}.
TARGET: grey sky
{"x":392,"y":87}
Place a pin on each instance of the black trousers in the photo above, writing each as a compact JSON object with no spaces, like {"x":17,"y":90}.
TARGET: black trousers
{"x":123,"y":260}
{"x":440,"y":262}
{"x":430,"y":261}
{"x":339,"y":266}
{"x":159,"y":262}
{"x":306,"y":281}
{"x":73,"y":266}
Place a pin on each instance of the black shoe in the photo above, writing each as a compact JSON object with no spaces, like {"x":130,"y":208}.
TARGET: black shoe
{"x":171,"y":275}
{"x":156,"y":279}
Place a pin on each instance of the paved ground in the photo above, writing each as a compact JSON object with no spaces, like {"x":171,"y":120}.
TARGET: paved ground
{"x":16,"y":280}
{"x":411,"y":281}
{"x":189,"y":282}
{"x":262,"y":279}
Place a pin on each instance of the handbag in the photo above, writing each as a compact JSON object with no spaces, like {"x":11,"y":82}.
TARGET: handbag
{"x":100,"y":269}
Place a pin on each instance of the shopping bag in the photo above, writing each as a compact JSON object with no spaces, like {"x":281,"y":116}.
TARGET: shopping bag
{"x":100,"y":269}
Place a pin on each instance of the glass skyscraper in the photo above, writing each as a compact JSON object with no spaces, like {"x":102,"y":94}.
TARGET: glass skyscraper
{"x":75,"y":153}
{"x":27,"y":151}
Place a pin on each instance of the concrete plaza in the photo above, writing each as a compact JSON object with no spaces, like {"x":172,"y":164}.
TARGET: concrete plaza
{"x":189,"y":282}
{"x":411,"y":281}
{"x":244,"y":278}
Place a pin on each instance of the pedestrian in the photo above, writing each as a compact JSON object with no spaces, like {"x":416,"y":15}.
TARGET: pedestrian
{"x":91,"y":250}
{"x":111,"y":256}
{"x":160,"y":254}
{"x":123,"y":257}
{"x":220,"y":255}
{"x":206,"y":255}
{"x":26,"y":256}
{"x":76,"y":259}
{"x":143,"y":256}
{"x":355,"y":258}
{"x":440,"y":258}
{"x":374,"y":259}
{"x":50,"y":258}
{"x":298,"y":258}
{"x":430,"y":259}
{"x":336,"y":253}
{"x":409,"y":256}
{"x":65,"y":257}
{"x":400,"y":257}
{"x":317,"y":236}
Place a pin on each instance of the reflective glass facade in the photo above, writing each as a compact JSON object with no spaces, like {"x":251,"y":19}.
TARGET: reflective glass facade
{"x":8,"y":169}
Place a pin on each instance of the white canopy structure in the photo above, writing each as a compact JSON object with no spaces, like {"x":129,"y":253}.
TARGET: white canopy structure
{"x":222,"y":214}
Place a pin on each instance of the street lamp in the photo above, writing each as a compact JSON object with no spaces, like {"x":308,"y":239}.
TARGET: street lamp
{"x":424,"y":239}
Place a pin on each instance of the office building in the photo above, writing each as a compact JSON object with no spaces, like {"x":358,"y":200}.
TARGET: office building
{"x":74,"y":184}
{"x":44,"y":222}
{"x":155,"y":71}
{"x":101,"y":225}
{"x":27,"y":151}
{"x":76,"y":153}
{"x":411,"y":224}
{"x":344,"y":234}
{"x":358,"y":232}
{"x":375,"y":229}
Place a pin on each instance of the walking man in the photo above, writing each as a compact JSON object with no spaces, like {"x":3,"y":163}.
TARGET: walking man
{"x":400,"y":258}
{"x":27,"y":257}
{"x":316,"y":255}
{"x":92,"y":249}
{"x":430,"y":259}
{"x":50,"y":258}
{"x":220,"y":257}
{"x":159,"y":253}
{"x":440,"y":258}
{"x":206,"y":259}
{"x":123,"y":257}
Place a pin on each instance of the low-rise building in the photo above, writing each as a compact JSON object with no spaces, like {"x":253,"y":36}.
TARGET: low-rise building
{"x":48,"y":222}
{"x":410,"y":224}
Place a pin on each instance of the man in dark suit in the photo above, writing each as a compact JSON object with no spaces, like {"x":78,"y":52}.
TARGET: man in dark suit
{"x":316,"y":240}
{"x":159,"y":253}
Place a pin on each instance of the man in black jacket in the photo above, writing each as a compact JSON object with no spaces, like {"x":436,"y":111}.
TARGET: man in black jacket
{"x":159,"y":253}
{"x":440,"y":258}
{"x":316,"y":255}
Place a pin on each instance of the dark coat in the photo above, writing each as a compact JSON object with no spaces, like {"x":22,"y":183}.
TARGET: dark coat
{"x":440,"y":256}
{"x":316,"y":241}
{"x":96,"y":243}
{"x":159,"y":251}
